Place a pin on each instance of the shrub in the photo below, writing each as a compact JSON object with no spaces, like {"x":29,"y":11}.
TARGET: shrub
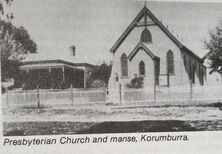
{"x":97,"y":83}
{"x":136,"y":82}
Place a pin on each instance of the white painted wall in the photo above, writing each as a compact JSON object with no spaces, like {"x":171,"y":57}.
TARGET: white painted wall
{"x":160,"y":45}
{"x":149,"y":67}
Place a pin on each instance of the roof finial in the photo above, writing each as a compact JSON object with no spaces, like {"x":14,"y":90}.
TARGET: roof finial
{"x":145,"y":2}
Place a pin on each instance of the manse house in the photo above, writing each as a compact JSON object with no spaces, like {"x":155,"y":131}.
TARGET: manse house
{"x":55,"y":72}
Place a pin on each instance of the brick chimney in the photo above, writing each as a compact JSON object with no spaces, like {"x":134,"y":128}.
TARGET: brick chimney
{"x":72,"y":50}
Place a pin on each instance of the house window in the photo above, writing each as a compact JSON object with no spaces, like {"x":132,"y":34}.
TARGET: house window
{"x":146,"y":36}
{"x":141,"y":68}
{"x":124,"y":65}
{"x":170,"y":62}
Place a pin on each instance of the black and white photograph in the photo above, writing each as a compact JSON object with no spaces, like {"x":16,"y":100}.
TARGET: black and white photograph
{"x":73,"y":67}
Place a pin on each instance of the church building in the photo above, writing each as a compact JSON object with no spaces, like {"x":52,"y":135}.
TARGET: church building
{"x":149,"y":50}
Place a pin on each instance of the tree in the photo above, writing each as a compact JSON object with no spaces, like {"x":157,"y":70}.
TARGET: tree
{"x":17,"y":36}
{"x":15,"y":43}
{"x":3,"y":12}
{"x":102,"y":73}
{"x":214,"y":45}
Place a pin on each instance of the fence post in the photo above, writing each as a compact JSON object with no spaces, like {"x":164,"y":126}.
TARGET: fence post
{"x":191,"y":90}
{"x":154,"y":93}
{"x":38,"y":97}
{"x":169,"y":96}
{"x":72,"y":94}
{"x":120,"y":93}
{"x":168,"y":80}
{"x":7,"y":102}
{"x":105,"y":92}
{"x":25,"y":96}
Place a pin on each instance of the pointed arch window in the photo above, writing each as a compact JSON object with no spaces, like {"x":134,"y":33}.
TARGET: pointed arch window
{"x":170,"y":62}
{"x":141,"y":68}
{"x":124,"y":65}
{"x":146,"y":36}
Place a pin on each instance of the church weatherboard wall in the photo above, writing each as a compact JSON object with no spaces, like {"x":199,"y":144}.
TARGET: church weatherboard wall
{"x":147,"y":49}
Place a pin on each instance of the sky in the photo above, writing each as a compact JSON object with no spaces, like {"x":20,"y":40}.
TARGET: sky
{"x":93,"y":26}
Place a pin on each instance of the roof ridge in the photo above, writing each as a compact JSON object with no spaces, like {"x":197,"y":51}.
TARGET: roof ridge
{"x":139,"y":16}
{"x":137,"y":48}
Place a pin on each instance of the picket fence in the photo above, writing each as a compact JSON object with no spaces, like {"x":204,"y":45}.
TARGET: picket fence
{"x":73,"y":96}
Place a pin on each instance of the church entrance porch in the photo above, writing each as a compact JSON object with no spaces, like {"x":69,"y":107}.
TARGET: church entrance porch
{"x":144,"y":64}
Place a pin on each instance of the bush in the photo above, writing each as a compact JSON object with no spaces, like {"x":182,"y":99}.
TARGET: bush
{"x":101,"y":72}
{"x":9,"y":88}
{"x":3,"y":90}
{"x":136,"y":82}
{"x":97,"y":84}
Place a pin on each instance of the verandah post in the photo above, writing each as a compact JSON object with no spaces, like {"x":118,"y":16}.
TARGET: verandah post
{"x":72,"y":94}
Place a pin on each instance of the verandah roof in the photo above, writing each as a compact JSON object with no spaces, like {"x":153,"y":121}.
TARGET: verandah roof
{"x":52,"y":64}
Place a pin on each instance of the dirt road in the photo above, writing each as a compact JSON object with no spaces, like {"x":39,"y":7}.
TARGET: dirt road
{"x":110,"y":119}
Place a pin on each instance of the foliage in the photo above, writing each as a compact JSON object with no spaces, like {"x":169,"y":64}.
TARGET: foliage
{"x":3,"y":5}
{"x":15,"y":43}
{"x":97,"y":83}
{"x":101,"y":72}
{"x":214,"y":45}
{"x":9,"y":69}
{"x":136,"y":82}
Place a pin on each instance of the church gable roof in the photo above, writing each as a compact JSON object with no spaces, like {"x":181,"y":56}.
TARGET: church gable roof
{"x":146,"y":12}
{"x":139,"y":46}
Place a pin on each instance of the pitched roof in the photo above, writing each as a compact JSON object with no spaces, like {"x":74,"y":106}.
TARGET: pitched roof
{"x":206,"y":55}
{"x":145,"y":11}
{"x":139,"y":46}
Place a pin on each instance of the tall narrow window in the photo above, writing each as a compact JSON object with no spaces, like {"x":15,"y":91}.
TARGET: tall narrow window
{"x":141,"y":68}
{"x":124,"y":65}
{"x":170,"y":62}
{"x":146,"y":36}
